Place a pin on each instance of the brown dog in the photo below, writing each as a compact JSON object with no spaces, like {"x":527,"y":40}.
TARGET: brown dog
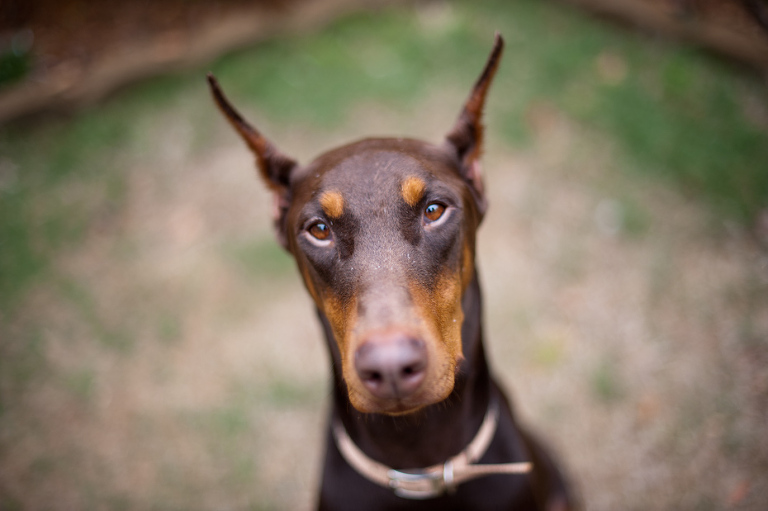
{"x":383,"y":232}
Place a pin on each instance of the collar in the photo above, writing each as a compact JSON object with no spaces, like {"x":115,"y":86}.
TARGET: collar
{"x":430,"y":482}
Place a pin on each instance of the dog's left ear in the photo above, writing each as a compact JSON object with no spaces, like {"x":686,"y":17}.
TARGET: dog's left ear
{"x":275,"y":168}
{"x":466,"y":137}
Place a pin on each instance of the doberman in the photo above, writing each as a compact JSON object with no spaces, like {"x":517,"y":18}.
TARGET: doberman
{"x":383,"y":233}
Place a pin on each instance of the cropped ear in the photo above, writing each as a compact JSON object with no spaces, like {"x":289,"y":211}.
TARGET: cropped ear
{"x":466,"y":137}
{"x":275,"y":168}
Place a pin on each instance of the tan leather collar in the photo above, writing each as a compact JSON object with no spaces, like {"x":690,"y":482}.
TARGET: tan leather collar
{"x":430,"y":482}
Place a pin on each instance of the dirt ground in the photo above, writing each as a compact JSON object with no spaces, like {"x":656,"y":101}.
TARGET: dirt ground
{"x":628,"y":324}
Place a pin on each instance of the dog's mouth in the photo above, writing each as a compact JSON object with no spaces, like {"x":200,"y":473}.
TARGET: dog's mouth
{"x":403,"y":410}
{"x":434,"y":389}
{"x":394,"y":407}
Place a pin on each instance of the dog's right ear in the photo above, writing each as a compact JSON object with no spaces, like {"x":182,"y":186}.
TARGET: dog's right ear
{"x":275,"y":168}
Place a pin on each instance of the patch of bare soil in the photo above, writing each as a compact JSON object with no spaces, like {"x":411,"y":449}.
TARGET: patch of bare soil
{"x":630,"y":332}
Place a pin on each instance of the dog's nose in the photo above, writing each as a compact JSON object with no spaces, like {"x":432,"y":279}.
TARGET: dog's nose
{"x":391,"y":366}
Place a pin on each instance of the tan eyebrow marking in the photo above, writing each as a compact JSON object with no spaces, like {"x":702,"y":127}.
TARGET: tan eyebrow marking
{"x":332,"y":203}
{"x":412,"y":190}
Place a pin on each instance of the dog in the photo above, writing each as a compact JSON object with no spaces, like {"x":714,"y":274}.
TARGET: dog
{"x":383,"y":234}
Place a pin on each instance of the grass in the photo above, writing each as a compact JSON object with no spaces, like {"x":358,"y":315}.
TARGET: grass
{"x":606,"y":384}
{"x":319,"y":78}
{"x":262,"y":258}
{"x":672,"y":111}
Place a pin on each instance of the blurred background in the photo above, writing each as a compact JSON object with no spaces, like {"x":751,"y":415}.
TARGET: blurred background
{"x":157,"y":349}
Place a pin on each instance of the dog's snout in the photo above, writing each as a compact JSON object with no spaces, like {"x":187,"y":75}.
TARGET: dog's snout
{"x":391,"y":366}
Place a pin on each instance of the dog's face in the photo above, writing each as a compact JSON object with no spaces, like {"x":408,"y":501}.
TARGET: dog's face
{"x":383,"y":234}
{"x":382,"y":231}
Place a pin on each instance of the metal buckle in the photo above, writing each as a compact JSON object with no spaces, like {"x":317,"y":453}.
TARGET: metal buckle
{"x":398,"y":481}
{"x":441,"y":482}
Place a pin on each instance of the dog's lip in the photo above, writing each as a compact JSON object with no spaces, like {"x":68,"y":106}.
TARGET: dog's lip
{"x":397,"y":407}
{"x":402,"y":409}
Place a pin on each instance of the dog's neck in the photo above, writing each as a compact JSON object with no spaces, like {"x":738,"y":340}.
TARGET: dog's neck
{"x":437,"y":432}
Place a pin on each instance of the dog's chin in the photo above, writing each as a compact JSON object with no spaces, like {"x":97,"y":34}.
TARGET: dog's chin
{"x":398,"y":413}
{"x":365,"y":403}
{"x":393,"y":408}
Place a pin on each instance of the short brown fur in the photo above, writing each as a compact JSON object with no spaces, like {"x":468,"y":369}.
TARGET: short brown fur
{"x":398,"y":297}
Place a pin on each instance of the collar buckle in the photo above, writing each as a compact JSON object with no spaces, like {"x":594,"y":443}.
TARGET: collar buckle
{"x":422,"y":485}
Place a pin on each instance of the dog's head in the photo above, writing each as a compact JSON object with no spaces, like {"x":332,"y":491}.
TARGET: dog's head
{"x":383,"y":232}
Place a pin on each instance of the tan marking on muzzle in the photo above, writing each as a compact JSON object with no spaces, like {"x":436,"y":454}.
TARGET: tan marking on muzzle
{"x":332,"y":203}
{"x":426,"y":316}
{"x":447,"y":312}
{"x":441,"y":312}
{"x":412,"y":190}
{"x":342,"y":317}
{"x":467,"y":266}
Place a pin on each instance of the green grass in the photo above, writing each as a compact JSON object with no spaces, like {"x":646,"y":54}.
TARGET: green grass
{"x":20,"y":364}
{"x":606,"y":383}
{"x":262,"y":258}
{"x":80,"y":299}
{"x":42,"y":161}
{"x":80,"y":384}
{"x":383,"y":56}
{"x":672,"y":112}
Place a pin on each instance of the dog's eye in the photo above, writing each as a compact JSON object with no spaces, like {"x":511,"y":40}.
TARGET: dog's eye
{"x":433,"y":212}
{"x":320,"y":231}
